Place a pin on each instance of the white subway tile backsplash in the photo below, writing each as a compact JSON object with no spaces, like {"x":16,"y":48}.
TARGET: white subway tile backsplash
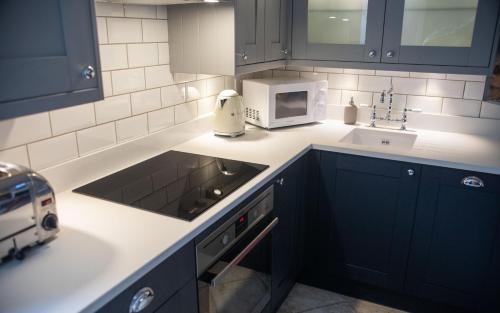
{"x":160,"y":119}
{"x":411,"y":86}
{"x":109,"y":9}
{"x":427,"y":104}
{"x":343,"y":81}
{"x":172,"y":95}
{"x":155,"y":30}
{"x":427,"y":75}
{"x":196,"y":90}
{"x":126,"y":81}
{"x":161,"y":12}
{"x":102,"y":30}
{"x":72,"y":118}
{"x":106,"y":84}
{"x":112,"y":108}
{"x":359,"y":72}
{"x":373,"y":83}
{"x":215,"y":85}
{"x":113,"y":57}
{"x":158,"y":76}
{"x":206,"y":105}
{"x":474,"y":78}
{"x":282,"y":73}
{"x":132,"y":127}
{"x":445,"y":88}
{"x":334,"y":97}
{"x":163,"y":53}
{"x":18,"y":155}
{"x":142,"y":54}
{"x":461,"y":107}
{"x":186,"y":112}
{"x":314,"y":76}
{"x":52,"y":151}
{"x":140,"y":11}
{"x":490,"y":110}
{"x":124,"y":30}
{"x":474,"y":90}
{"x":96,"y":138}
{"x":359,"y":97}
{"x":229,"y":82}
{"x":329,"y":70}
{"x":145,"y":101}
{"x":392,"y":73}
{"x":184,"y":77}
{"x":299,"y":68}
{"x":25,"y":129}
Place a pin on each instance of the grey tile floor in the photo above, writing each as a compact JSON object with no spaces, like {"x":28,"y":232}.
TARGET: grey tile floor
{"x":306,"y":299}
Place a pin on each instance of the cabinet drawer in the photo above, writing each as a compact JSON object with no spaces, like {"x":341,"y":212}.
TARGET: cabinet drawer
{"x":184,"y":301}
{"x":164,"y":280}
{"x":369,"y":165}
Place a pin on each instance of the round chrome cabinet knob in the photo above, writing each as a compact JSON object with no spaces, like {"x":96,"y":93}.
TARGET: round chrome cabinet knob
{"x":88,"y":72}
{"x":411,"y":172}
{"x":217,"y":192}
{"x":372,"y":53}
{"x":50,"y":222}
{"x":390,"y":54}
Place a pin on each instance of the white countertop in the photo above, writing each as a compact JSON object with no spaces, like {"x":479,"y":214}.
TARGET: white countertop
{"x":103,"y":247}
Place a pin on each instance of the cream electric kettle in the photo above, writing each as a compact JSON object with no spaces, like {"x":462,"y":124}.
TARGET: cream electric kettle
{"x":229,"y":116}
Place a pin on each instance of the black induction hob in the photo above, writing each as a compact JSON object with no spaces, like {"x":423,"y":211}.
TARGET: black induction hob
{"x":177,"y":184}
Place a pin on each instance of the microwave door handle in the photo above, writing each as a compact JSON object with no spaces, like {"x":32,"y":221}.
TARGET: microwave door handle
{"x":214,"y":281}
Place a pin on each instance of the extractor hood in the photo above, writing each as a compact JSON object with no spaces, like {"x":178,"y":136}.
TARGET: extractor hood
{"x":158,"y":2}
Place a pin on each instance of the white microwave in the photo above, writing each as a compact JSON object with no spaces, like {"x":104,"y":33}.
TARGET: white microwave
{"x":279,"y":102}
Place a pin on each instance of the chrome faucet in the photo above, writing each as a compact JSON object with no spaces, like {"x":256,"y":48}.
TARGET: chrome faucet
{"x":388,"y":116}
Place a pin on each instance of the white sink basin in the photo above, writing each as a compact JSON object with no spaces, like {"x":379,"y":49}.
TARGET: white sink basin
{"x":380,"y":138}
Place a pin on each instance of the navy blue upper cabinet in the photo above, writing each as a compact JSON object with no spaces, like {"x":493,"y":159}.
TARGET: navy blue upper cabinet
{"x":406,"y":33}
{"x":455,"y":254}
{"x":48,"y":57}
{"x":338,"y":30}
{"x":370,"y":204}
{"x":446,"y":32}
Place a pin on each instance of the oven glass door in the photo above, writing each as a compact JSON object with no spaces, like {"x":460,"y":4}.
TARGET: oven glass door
{"x":291,"y":104}
{"x":240,"y":281}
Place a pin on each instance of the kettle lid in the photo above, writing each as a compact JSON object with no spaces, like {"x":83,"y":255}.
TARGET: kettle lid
{"x":228,"y":93}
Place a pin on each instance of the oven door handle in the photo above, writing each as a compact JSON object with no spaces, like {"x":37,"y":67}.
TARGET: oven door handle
{"x":244,"y":252}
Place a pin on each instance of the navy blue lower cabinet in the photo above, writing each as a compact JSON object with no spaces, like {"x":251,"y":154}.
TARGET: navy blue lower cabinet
{"x":455,"y":254}
{"x":168,"y":285}
{"x":286,"y":239}
{"x":368,"y":205}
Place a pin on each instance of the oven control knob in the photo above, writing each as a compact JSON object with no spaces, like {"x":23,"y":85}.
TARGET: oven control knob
{"x":225,"y":239}
{"x":50,"y":222}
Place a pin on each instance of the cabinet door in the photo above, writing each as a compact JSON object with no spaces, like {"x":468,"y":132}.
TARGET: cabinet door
{"x":184,"y":301}
{"x":250,"y":36}
{"x":43,"y":54}
{"x":455,"y":255}
{"x":338,"y":30}
{"x":445,"y":32}
{"x":371,"y":204}
{"x":284,"y":257}
{"x":276,"y":30}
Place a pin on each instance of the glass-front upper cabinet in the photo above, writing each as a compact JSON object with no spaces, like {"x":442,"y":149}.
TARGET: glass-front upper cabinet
{"x":439,"y":32}
{"x":340,"y":30}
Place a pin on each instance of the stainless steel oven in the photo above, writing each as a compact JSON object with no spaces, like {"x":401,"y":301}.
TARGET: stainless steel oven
{"x":234,"y":261}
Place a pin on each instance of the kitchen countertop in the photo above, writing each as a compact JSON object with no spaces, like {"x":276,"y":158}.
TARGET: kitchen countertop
{"x":103,"y":247}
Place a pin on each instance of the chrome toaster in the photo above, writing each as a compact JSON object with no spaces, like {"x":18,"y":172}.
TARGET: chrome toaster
{"x":27,"y":210}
